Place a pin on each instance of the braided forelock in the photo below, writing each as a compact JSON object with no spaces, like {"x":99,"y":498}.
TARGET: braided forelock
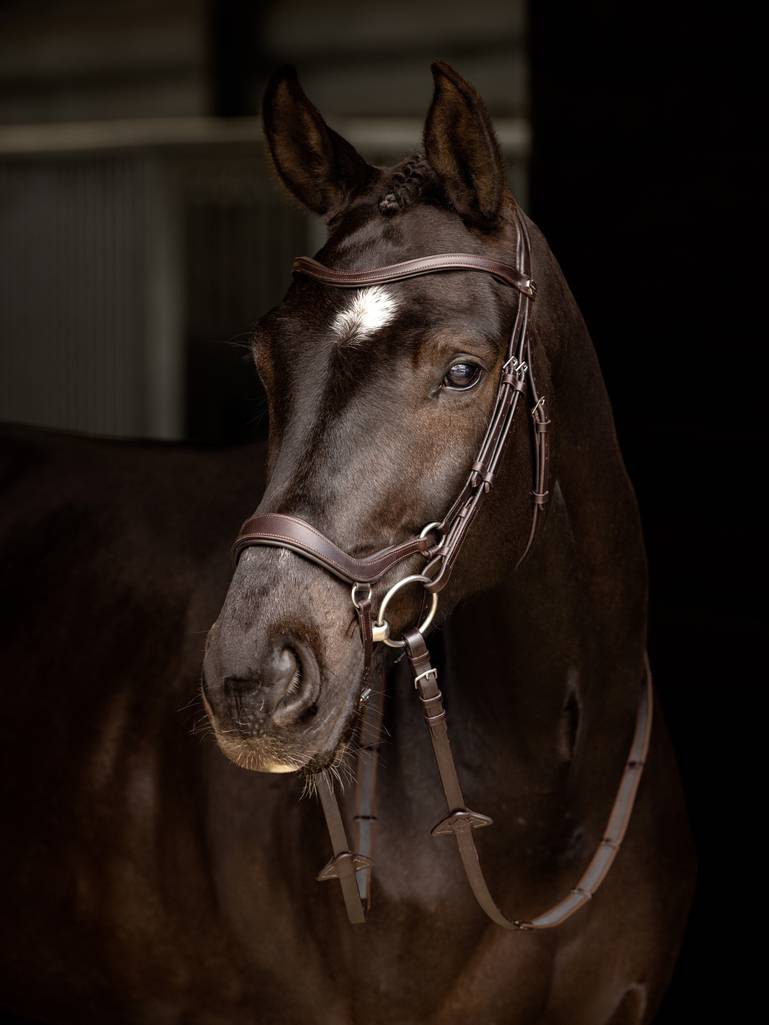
{"x":408,"y":183}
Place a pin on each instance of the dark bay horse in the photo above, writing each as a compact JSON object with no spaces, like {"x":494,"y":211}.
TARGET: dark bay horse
{"x":148,"y":878}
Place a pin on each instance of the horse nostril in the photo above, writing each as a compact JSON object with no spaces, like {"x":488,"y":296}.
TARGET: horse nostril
{"x":278,"y":691}
{"x":293,"y":687}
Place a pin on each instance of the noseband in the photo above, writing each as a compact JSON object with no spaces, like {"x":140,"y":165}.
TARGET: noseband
{"x":440,"y":543}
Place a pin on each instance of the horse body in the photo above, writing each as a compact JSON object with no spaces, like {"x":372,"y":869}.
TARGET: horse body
{"x":149,"y":879}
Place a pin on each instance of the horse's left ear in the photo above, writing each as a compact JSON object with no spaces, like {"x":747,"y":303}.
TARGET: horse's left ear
{"x":462,"y":148}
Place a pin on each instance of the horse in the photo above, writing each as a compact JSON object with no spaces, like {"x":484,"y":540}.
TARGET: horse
{"x":156,"y":875}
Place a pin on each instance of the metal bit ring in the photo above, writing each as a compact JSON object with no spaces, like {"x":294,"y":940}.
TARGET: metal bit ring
{"x":381,"y":623}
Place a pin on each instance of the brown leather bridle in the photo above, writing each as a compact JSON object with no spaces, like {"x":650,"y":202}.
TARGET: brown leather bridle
{"x":440,"y":544}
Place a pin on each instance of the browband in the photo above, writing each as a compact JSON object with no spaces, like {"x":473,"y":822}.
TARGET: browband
{"x":505,"y":272}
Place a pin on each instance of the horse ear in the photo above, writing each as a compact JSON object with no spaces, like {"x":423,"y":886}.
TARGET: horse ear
{"x":317,"y":166}
{"x":462,"y":148}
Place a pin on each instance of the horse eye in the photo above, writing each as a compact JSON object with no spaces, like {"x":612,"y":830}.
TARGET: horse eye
{"x":462,"y":376}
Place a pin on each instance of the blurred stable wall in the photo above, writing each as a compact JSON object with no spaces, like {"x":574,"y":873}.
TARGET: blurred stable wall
{"x":142,"y":235}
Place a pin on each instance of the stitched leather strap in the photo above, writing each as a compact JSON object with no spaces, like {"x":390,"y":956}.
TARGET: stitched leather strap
{"x":365,"y":790}
{"x":513,"y":383}
{"x":541,"y":492}
{"x":505,"y":272}
{"x":461,"y":821}
{"x":366,"y":624}
{"x":290,"y":532}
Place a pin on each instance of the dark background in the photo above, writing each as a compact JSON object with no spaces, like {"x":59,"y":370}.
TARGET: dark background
{"x":648,"y":176}
{"x":630,"y":143}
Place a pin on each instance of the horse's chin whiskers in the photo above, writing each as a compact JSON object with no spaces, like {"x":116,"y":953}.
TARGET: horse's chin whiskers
{"x":339,"y":772}
{"x":268,"y":758}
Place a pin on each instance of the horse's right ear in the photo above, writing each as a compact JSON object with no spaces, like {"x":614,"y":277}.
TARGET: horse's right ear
{"x":317,"y":166}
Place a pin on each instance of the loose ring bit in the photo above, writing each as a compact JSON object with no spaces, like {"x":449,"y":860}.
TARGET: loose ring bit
{"x":381,"y":623}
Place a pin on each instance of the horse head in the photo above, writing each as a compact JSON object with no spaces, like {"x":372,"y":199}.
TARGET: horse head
{"x":378,"y":400}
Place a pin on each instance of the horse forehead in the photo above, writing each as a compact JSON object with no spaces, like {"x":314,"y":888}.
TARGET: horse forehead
{"x":363,"y":313}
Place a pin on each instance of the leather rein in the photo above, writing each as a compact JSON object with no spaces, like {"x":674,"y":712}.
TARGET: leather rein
{"x":440,"y":543}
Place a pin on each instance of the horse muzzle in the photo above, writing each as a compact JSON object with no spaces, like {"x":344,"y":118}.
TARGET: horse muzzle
{"x":280,"y":674}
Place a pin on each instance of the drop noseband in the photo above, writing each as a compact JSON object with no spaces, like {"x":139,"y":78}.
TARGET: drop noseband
{"x":440,"y":543}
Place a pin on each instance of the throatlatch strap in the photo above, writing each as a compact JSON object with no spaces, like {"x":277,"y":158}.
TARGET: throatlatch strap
{"x":461,"y":821}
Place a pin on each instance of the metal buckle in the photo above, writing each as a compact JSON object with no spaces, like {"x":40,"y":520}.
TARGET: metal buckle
{"x":432,"y":671}
{"x":535,"y":408}
{"x":519,"y":368}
